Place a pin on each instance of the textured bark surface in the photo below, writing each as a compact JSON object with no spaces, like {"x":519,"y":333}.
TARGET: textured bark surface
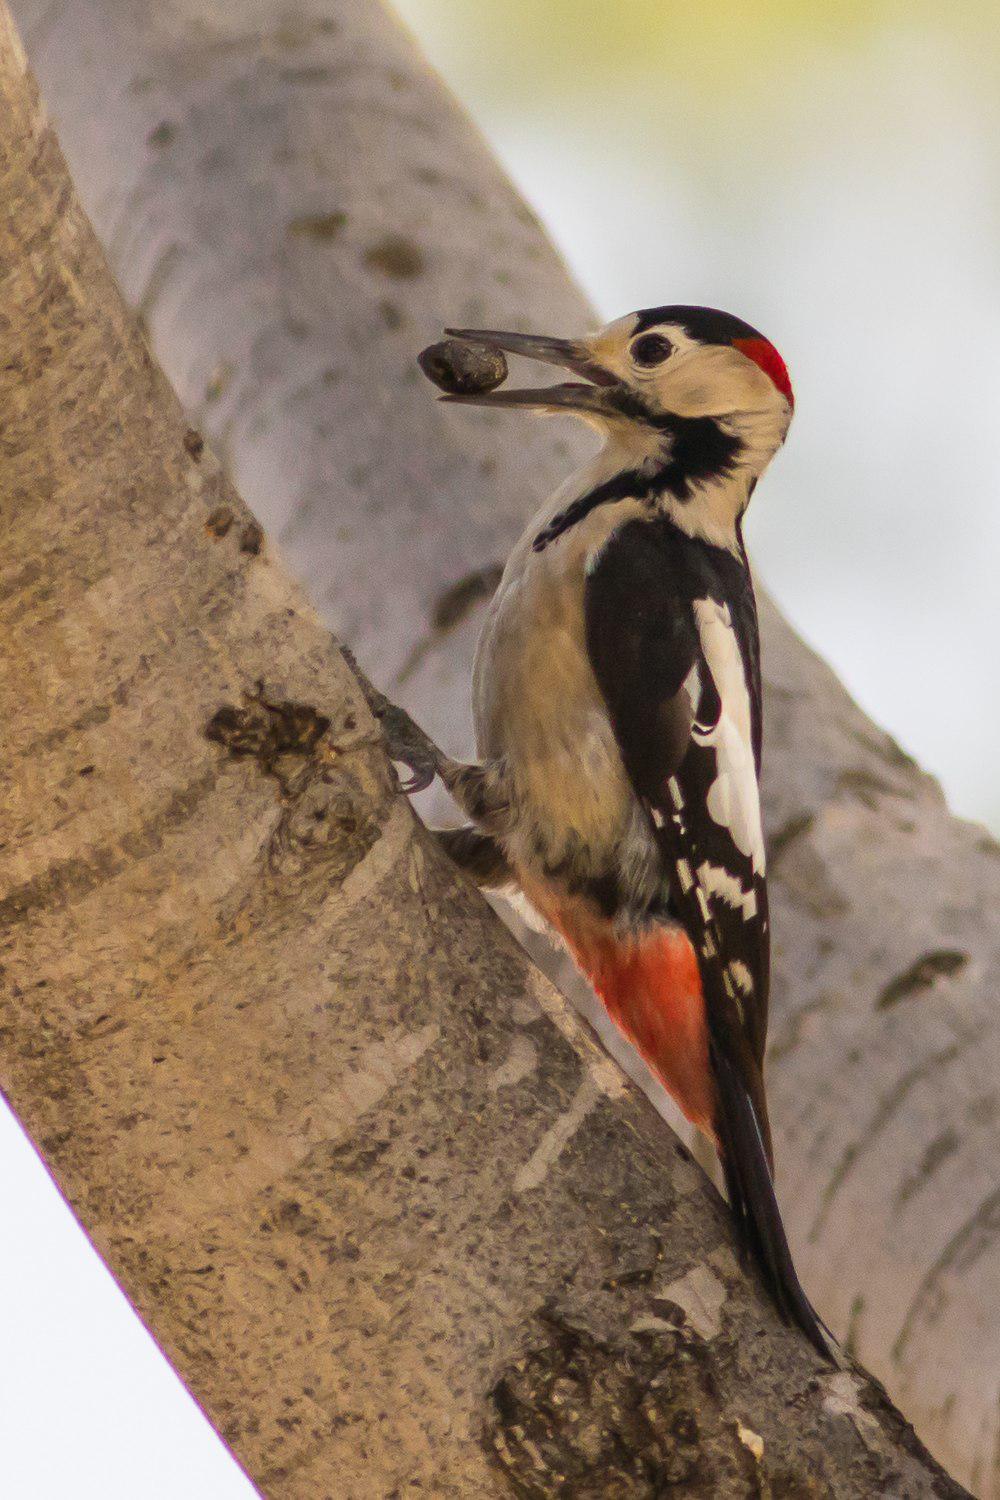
{"x":294,"y":217}
{"x":394,"y":1217}
{"x":392,"y":1214}
{"x":296,"y":206}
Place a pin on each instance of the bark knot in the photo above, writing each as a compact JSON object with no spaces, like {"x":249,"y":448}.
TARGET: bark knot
{"x":333,"y":809}
{"x":580,"y":1416}
{"x":267,"y":729}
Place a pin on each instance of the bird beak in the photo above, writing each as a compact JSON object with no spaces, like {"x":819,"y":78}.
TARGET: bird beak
{"x":591,"y":394}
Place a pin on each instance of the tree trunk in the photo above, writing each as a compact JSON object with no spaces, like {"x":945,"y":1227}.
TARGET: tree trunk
{"x":293,"y":222}
{"x":391,"y":1213}
{"x":295,"y":206}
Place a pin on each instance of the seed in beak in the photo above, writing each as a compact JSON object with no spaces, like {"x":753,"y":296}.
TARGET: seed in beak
{"x":462,"y":368}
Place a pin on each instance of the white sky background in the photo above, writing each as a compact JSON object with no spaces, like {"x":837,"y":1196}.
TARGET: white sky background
{"x":839,"y":192}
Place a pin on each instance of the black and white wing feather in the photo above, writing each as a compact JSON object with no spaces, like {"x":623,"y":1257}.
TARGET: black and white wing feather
{"x":672,"y":638}
{"x":671,"y":631}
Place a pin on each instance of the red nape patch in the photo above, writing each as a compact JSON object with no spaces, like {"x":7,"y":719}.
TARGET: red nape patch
{"x":651,"y":988}
{"x":766,"y":356}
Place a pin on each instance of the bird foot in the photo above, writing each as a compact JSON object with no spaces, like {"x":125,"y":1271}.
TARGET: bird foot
{"x":406,"y":743}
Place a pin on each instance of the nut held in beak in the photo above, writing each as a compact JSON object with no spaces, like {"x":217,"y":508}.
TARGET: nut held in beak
{"x":462,"y":368}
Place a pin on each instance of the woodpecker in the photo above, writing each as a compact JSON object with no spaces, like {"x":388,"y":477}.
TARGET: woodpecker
{"x":617,"y":704}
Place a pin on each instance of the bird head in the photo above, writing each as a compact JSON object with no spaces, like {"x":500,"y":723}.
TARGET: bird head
{"x":651,"y":367}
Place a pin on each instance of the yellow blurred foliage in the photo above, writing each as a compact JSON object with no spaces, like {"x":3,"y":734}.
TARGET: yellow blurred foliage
{"x":723,"y":47}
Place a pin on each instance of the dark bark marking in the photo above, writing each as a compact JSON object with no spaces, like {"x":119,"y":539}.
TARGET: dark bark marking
{"x":885,"y":747}
{"x":327,"y":817}
{"x":987,"y":844}
{"x":792,"y":828}
{"x":252,"y":538}
{"x":220,"y":380}
{"x":396,"y":256}
{"x":887,"y":1108}
{"x":580,"y":1415}
{"x":899,"y":1435}
{"x":572,"y":1418}
{"x":978,"y":1233}
{"x":455,"y":602}
{"x":853,"y":1324}
{"x":91,"y":718}
{"x":791,"y":1033}
{"x":867,"y":786}
{"x":220,"y":521}
{"x":327,"y":820}
{"x":267,"y":730}
{"x":35,"y":570}
{"x":452,"y":606}
{"x":309,"y":73}
{"x":72,"y":879}
{"x":323,"y":227}
{"x":810,"y":886}
{"x":938,"y":1152}
{"x":161,"y":135}
{"x":922,"y":975}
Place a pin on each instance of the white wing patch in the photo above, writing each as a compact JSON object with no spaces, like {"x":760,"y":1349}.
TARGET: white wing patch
{"x":740,"y":975}
{"x":733,"y":798}
{"x":721,"y":883}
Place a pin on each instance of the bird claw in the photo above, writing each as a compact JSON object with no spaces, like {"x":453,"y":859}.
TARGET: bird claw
{"x":407,"y":744}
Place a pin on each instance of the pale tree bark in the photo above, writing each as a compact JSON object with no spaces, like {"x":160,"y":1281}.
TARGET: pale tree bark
{"x":293,"y":221}
{"x":295,"y":205}
{"x":394,"y":1217}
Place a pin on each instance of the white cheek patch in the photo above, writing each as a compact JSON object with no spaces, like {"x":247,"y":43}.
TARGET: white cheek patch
{"x":709,"y":379}
{"x":733,"y":798}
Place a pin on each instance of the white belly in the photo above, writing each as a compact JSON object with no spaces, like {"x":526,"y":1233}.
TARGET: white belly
{"x":538,"y":709}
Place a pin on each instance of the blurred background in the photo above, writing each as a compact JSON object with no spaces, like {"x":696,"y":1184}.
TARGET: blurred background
{"x":832,"y":174}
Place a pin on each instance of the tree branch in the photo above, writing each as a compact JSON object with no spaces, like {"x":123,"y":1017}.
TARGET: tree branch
{"x":295,"y":206}
{"x":392,"y":1215}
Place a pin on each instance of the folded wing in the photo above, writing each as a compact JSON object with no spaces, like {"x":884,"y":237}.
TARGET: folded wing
{"x":672,"y":639}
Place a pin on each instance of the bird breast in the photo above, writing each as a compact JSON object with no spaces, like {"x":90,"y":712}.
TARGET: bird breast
{"x":539,"y":711}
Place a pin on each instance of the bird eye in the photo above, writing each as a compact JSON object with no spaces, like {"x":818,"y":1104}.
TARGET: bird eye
{"x":651,"y":349}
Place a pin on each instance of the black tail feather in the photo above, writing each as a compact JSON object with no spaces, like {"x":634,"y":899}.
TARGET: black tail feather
{"x":754,"y":1205}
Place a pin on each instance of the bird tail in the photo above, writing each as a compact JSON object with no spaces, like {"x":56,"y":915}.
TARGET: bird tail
{"x":652,"y":989}
{"x":745,"y":1155}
